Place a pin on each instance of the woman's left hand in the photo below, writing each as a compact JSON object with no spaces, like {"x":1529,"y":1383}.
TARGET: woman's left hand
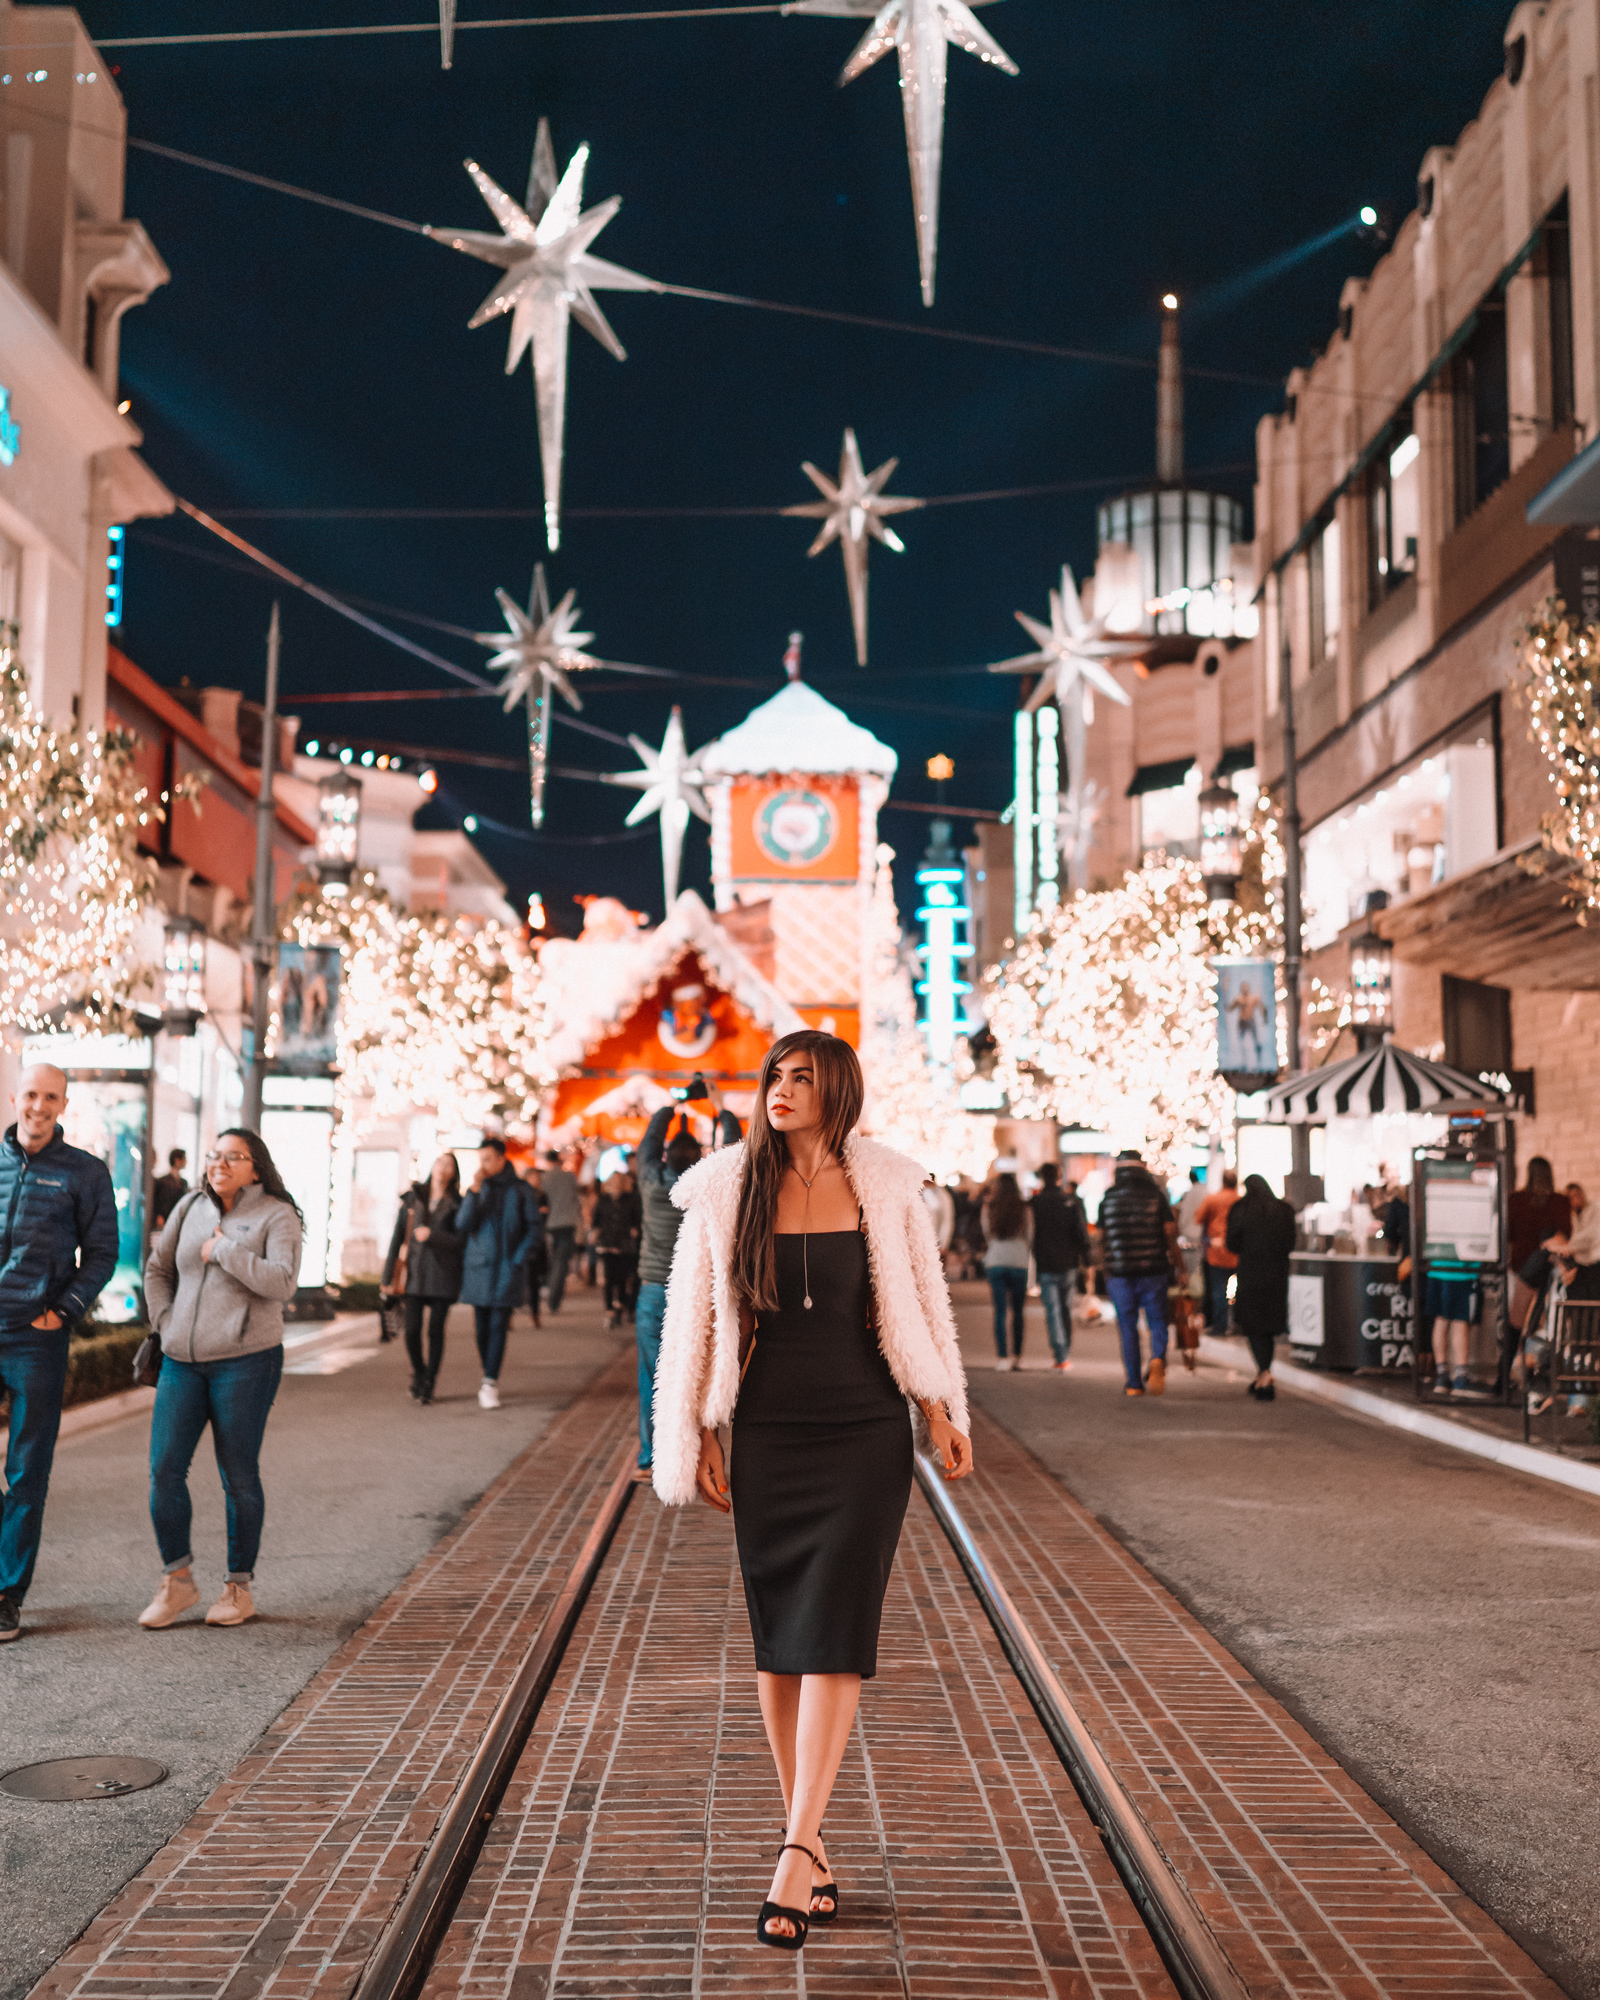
{"x":953,"y":1448}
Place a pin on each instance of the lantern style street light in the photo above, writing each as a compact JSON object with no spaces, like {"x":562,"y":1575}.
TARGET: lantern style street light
{"x":338,"y":830}
{"x":1371,"y":988}
{"x":1220,"y":843}
{"x":183,"y":992}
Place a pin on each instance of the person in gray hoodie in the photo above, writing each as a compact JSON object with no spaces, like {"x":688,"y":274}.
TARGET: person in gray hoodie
{"x":216,"y":1283}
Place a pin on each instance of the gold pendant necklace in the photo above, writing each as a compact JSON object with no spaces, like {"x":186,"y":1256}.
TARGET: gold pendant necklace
{"x":805,"y":1231}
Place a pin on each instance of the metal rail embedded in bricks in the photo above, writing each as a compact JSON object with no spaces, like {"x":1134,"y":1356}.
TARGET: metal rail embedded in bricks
{"x":638,"y":1836}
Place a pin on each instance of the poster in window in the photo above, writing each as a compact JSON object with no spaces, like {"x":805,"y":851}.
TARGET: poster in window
{"x":306,"y":1002}
{"x":1247,"y":1021}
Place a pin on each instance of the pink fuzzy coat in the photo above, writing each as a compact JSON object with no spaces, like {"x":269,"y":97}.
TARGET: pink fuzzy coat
{"x":697,"y":1377}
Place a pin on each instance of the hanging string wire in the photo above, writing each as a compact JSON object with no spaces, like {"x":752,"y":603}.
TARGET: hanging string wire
{"x":1046,"y":350}
{"x":432,"y":27}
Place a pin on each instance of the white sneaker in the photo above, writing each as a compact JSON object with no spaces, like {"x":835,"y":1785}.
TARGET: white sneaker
{"x":175,"y":1596}
{"x":1004,"y":1364}
{"x":489,"y":1395}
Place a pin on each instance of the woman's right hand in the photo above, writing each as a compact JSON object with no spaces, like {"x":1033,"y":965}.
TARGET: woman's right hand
{"x":711,"y":1476}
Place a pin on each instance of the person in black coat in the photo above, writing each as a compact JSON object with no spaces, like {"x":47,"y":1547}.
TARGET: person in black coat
{"x":425,"y":1231}
{"x":1261,"y":1236}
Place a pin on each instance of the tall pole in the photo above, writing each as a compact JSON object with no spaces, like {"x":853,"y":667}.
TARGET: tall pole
{"x":1299,"y":1192}
{"x":264,"y":926}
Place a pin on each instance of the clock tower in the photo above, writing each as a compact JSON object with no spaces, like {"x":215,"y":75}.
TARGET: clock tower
{"x":795,"y":792}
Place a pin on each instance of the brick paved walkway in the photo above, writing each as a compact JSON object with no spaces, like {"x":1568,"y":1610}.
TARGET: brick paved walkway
{"x":638,"y":1836}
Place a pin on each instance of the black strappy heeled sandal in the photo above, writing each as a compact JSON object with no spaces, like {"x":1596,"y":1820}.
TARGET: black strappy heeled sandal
{"x":801,"y":1919}
{"x":829,"y":1889}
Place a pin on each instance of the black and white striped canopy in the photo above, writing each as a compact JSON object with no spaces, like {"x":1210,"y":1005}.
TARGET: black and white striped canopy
{"x":1378,"y":1080}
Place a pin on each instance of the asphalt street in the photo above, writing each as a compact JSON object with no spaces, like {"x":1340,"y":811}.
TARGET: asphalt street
{"x":360,"y":1484}
{"x":1432,"y":1619}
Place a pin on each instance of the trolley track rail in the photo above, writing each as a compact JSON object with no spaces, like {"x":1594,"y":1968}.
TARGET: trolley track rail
{"x":399,"y":1966}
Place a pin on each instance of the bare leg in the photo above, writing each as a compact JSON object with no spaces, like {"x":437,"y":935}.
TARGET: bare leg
{"x":823,"y":1716}
{"x":780,"y":1712}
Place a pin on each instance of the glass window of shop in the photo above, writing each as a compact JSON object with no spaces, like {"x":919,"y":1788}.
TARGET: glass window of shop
{"x":1394,"y":513}
{"x":1480,"y":398}
{"x":1434,"y":819}
{"x":1170,"y":816}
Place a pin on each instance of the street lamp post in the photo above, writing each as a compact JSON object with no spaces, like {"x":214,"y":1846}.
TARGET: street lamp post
{"x":265,"y":913}
{"x":1371,"y":988}
{"x":1220,"y":844}
{"x":338,"y":831}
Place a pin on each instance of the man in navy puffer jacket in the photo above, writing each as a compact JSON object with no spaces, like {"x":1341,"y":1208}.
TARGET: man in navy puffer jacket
{"x":58,"y":1249}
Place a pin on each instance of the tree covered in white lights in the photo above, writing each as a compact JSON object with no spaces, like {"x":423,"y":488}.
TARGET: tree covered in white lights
{"x":74,"y":884}
{"x":912,"y":1104}
{"x":447,"y":1012}
{"x":1105,"y":1017}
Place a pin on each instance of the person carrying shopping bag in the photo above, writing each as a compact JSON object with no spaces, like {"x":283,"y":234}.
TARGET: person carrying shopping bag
{"x":425,"y":1255}
{"x":216,"y":1282}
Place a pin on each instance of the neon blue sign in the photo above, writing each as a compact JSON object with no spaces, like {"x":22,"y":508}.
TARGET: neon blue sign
{"x":114,"y":574}
{"x":10,"y":430}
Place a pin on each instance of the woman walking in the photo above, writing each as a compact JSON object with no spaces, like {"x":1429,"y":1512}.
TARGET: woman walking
{"x":216,"y":1282}
{"x":1261,"y":1236}
{"x":425,"y":1236}
{"x":806,"y":1289}
{"x":1008,"y":1224}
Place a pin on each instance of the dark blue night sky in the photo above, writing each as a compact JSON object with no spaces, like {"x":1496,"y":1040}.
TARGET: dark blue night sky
{"x":302,"y":358}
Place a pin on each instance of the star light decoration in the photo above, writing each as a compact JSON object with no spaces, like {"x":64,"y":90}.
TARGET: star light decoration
{"x":447,"y":32}
{"x":550,"y":280}
{"x":1072,"y":651}
{"x":919,"y":31}
{"x":670,"y":784}
{"x":537,"y":652}
{"x":850,"y":511}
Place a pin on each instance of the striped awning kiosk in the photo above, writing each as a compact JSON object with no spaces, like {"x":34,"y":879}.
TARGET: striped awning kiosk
{"x":1379,"y":1081}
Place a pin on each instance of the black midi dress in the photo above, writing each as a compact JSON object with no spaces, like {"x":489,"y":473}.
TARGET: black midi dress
{"x":822,"y":1463}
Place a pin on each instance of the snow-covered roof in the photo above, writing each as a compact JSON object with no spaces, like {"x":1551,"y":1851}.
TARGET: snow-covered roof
{"x":601,"y":981}
{"x":798,"y":730}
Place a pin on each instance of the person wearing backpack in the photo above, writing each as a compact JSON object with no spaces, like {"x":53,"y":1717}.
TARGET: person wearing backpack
{"x":216,"y":1282}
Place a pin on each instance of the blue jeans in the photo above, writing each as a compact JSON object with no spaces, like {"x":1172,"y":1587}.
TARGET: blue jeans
{"x":490,"y":1325}
{"x":33,"y":1367}
{"x":1217,"y":1299}
{"x":233,"y":1396}
{"x":1013,"y":1285}
{"x":647,"y":1318}
{"x":1056,"y":1289}
{"x":1128,"y":1295}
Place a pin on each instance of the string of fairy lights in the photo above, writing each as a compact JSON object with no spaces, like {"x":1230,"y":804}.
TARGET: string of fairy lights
{"x":1559,"y":660}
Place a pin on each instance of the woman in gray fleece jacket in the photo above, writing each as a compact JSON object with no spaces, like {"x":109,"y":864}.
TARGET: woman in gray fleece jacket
{"x":215,"y":1285}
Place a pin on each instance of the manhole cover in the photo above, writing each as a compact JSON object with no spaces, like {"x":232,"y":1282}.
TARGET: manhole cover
{"x":82,"y":1778}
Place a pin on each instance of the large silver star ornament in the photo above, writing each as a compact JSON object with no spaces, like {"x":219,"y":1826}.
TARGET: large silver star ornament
{"x":1070,"y":650}
{"x":1071,"y":656}
{"x":853,"y":510}
{"x":920,"y":32}
{"x":447,"y":33}
{"x":550,"y":280}
{"x":537,"y":652}
{"x":670,"y":784}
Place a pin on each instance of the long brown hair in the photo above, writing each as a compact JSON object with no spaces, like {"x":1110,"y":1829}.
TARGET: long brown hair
{"x":840,"y":1093}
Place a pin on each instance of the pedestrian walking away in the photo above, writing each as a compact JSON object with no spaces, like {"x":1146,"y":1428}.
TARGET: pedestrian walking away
{"x":495,"y":1221}
{"x":808,"y":1305}
{"x":538,"y":1257}
{"x":1060,"y":1251}
{"x":662,"y":1164}
{"x":1009,"y":1228}
{"x":216,"y":1280}
{"x":168,"y":1190}
{"x":562,"y":1216}
{"x":1139,"y":1242}
{"x":616,"y":1233}
{"x":1261,"y":1237}
{"x":58,"y":1249}
{"x":1219,"y":1262}
{"x":424,"y":1266}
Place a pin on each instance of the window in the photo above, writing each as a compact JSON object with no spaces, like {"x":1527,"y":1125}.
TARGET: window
{"x":1394,"y":512}
{"x":1481,"y":408}
{"x":1477,"y":1026}
{"x":1556,"y":251}
{"x":1323,"y":563}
